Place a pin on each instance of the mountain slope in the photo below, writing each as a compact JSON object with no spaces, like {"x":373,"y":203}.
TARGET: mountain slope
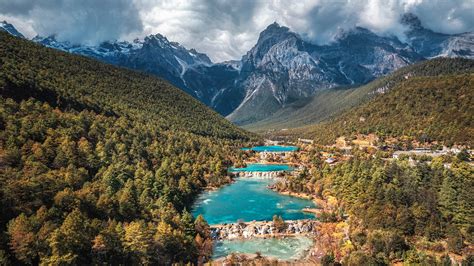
{"x":99,"y":164}
{"x":90,"y":84}
{"x":328,"y":103}
{"x":437,"y":107}
{"x":283,"y":68}
{"x":7,"y":27}
{"x":155,"y":54}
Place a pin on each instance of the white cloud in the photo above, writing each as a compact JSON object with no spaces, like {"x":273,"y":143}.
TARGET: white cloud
{"x":226,"y":29}
{"x":85,"y":21}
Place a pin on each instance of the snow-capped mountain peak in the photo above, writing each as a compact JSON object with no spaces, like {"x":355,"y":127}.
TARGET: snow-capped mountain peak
{"x":279,"y":69}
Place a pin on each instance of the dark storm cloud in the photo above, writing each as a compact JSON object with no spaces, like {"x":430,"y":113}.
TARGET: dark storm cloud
{"x":84,"y":21}
{"x":226,"y":29}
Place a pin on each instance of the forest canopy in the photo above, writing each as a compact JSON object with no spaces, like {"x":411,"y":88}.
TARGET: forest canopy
{"x":101,"y":164}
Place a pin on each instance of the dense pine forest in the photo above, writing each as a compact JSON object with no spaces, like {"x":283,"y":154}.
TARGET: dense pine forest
{"x":101,"y":164}
{"x":398,"y":212}
{"x":421,"y":108}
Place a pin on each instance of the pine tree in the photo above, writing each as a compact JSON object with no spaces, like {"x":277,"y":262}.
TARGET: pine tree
{"x":138,"y":242}
{"x":22,"y":239}
{"x":128,"y":202}
{"x":71,"y":242}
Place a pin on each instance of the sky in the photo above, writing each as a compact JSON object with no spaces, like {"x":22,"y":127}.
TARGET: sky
{"x":225,"y":29}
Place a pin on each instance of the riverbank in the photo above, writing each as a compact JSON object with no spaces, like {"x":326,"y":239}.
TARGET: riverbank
{"x":255,"y":259}
{"x":242,"y":201}
{"x":321,"y":204}
{"x":320,"y":236}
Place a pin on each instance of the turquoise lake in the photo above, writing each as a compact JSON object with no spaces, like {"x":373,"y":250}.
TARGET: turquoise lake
{"x":275,"y":148}
{"x":279,"y":248}
{"x":249,"y":199}
{"x":262,"y":168}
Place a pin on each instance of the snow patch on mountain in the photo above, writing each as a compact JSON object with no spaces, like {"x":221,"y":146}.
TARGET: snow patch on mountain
{"x":280,"y":69}
{"x":5,"y":26}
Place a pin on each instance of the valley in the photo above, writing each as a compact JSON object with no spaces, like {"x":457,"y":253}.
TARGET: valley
{"x":353,"y":151}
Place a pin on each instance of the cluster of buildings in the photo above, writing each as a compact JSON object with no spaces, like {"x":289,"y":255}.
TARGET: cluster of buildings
{"x":427,"y":152}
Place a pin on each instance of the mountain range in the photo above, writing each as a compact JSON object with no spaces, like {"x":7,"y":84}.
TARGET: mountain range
{"x":281,"y":69}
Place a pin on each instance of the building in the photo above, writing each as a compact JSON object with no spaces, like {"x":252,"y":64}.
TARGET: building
{"x":309,"y":141}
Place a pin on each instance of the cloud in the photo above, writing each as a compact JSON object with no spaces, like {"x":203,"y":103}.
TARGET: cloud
{"x":220,"y":28}
{"x":85,"y":21}
{"x":226,"y":29}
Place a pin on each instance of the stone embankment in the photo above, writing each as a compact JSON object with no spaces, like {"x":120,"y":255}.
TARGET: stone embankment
{"x":262,"y":229}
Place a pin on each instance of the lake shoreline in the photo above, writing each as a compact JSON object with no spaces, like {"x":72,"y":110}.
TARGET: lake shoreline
{"x":222,"y":232}
{"x":316,"y":252}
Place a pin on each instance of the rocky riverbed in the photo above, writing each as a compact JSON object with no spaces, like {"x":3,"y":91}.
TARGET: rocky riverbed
{"x":262,"y":229}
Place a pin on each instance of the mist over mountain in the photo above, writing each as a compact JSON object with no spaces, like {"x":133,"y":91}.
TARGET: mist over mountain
{"x":281,"y":68}
{"x":433,"y":44}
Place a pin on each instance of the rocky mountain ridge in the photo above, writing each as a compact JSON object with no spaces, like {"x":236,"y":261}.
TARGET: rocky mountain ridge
{"x":280,"y":69}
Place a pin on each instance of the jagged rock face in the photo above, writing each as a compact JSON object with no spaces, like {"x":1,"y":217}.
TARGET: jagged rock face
{"x":433,"y":44}
{"x":282,"y":67}
{"x":166,"y":59}
{"x":214,"y":85}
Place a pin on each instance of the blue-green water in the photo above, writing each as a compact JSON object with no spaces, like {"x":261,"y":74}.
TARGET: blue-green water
{"x":249,"y":199}
{"x":262,"y":168}
{"x":279,"y":248}
{"x":275,"y":148}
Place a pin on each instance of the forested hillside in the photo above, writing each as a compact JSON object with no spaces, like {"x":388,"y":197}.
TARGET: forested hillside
{"x":82,"y":83}
{"x":100,"y":164}
{"x":424,"y":109}
{"x":329,"y":103}
{"x":399,"y":212}
{"x":427,"y":102}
